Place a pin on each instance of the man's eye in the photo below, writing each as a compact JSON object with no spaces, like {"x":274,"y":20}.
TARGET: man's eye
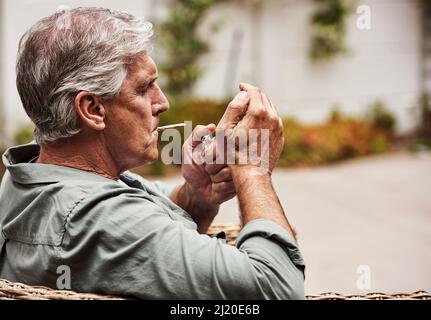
{"x":144,"y":90}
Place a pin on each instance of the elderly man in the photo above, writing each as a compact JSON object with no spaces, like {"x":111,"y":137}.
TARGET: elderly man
{"x":87,"y":82}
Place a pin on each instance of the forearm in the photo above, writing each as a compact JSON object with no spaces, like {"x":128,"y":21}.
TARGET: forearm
{"x":257,"y":198}
{"x":203,"y":214}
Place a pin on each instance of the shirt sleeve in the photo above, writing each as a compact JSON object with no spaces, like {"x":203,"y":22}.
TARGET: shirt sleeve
{"x":132,"y":247}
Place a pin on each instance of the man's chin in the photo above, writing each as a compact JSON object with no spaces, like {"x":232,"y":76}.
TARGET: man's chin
{"x":151,"y":161}
{"x":146,"y":156}
{"x":145,"y":160}
{"x":153,"y":157}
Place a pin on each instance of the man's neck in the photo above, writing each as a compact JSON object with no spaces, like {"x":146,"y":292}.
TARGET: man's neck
{"x":84,"y":153}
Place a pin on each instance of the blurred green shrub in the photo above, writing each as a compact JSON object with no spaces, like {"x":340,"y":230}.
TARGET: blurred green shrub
{"x":422,"y":137}
{"x":339,"y":138}
{"x":24,"y":134}
{"x":328,"y":27}
{"x":425,"y":121}
{"x":199,"y":111}
{"x":183,"y":45}
{"x":382,"y":118}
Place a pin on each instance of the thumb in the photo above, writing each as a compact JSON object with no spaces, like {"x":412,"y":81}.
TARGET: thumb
{"x":191,"y":145}
{"x":235,"y":111}
{"x":201,"y":131}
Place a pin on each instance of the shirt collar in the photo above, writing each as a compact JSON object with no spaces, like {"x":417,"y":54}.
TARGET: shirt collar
{"x":15,"y":159}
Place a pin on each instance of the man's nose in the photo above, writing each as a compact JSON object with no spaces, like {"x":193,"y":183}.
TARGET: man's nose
{"x":161,"y":103}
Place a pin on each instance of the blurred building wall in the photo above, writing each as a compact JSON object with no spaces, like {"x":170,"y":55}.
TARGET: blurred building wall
{"x":384,"y":63}
{"x":267,"y":44}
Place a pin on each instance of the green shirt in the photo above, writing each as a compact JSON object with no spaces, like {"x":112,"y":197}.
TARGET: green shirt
{"x":131,"y":240}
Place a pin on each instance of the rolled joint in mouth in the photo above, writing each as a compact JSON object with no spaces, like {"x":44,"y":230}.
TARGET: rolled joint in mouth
{"x":171,"y":126}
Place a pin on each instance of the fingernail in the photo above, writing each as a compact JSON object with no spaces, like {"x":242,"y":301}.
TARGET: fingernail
{"x":242,"y":96}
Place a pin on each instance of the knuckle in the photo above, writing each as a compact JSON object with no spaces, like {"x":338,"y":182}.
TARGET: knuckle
{"x":211,"y":178}
{"x":226,"y":171}
{"x":235,"y":104}
{"x":274,"y":118}
{"x":198,"y":129}
{"x":218,"y":186}
{"x":222,"y":184}
{"x":250,"y":86}
{"x":210,"y":169}
{"x":259,"y":113}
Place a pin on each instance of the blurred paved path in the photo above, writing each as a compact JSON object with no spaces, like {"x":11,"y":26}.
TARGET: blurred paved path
{"x":373,"y":211}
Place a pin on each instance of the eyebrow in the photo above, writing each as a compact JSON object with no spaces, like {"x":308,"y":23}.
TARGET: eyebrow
{"x":152,"y":79}
{"x":144,"y":84}
{"x":147,"y":82}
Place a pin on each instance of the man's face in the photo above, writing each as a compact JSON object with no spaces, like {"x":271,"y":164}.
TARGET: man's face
{"x":132,"y":118}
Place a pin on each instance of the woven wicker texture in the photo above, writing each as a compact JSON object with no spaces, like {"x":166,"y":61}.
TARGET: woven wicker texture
{"x":19,"y":291}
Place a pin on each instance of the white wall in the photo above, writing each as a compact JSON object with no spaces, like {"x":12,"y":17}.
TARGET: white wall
{"x":384,"y":63}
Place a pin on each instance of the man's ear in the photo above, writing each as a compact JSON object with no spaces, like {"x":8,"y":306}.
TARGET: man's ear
{"x":90,"y":110}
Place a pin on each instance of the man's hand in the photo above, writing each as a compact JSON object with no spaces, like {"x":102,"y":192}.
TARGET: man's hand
{"x":261,"y":115}
{"x":211,"y":188}
{"x":256,"y":195}
{"x":263,"y":149}
{"x":207,"y":185}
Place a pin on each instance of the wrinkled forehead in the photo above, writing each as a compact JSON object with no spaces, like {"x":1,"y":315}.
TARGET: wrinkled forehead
{"x":142,"y":69}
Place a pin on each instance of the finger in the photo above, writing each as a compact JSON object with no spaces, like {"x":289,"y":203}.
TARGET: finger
{"x":229,"y":195}
{"x":256,"y":103}
{"x":223,"y":175}
{"x":234,"y":111}
{"x":191,"y":152}
{"x":246,"y":87}
{"x":223,"y":197}
{"x":267,"y":102}
{"x":273,"y":106}
{"x":201,"y":131}
{"x":213,"y":168}
{"x":223,"y":187}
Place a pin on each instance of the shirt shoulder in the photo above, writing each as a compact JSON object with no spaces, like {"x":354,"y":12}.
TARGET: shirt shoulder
{"x":43,"y":213}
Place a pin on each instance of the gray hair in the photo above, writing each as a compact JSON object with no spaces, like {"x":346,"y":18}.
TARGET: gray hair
{"x":83,"y":49}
